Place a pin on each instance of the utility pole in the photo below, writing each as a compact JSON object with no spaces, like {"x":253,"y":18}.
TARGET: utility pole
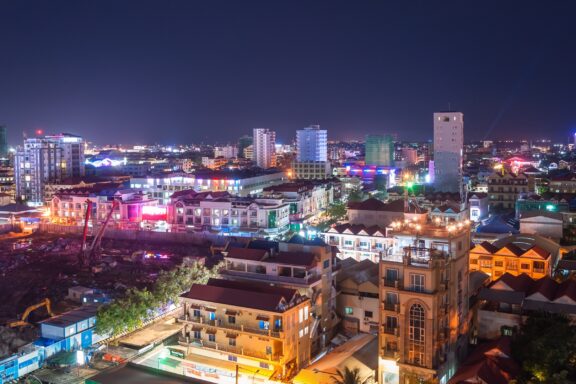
{"x":236,"y":374}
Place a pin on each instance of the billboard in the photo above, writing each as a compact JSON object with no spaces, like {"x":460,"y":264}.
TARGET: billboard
{"x":154,"y":213}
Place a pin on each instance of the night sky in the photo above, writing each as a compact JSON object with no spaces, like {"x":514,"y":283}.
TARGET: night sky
{"x":188,"y":71}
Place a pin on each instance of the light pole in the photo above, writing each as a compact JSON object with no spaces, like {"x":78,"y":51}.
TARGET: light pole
{"x":254,"y":375}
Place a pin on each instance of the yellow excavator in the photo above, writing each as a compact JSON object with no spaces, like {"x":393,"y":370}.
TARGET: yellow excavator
{"x":24,"y":320}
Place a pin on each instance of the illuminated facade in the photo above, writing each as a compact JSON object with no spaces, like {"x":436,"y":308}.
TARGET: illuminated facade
{"x":262,"y":329}
{"x":44,"y":160}
{"x":162,"y":187}
{"x":379,"y":151}
{"x":424,"y":303}
{"x":504,"y":190}
{"x":264,"y":148}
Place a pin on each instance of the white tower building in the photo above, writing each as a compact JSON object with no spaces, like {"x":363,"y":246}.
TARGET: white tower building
{"x":264,"y":147}
{"x":448,"y":151}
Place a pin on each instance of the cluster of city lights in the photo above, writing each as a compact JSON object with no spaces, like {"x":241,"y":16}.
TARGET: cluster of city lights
{"x":413,"y":224}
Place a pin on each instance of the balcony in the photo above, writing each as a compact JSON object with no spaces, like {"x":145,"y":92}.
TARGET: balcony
{"x":239,"y":327}
{"x":307,"y":280}
{"x":391,"y":330}
{"x":241,"y":351}
{"x":394,"y":283}
{"x":394,"y":307}
{"x":391,"y":353}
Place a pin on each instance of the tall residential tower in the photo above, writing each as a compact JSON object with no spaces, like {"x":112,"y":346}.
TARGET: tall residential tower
{"x":448,"y":151}
{"x":380,"y":150}
{"x":264,"y":147}
{"x":312,"y":153}
{"x":44,"y":160}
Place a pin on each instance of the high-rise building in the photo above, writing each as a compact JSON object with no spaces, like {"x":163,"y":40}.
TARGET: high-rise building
{"x":424,"y":293}
{"x":3,"y":143}
{"x":264,"y":148}
{"x":45,"y":160}
{"x":312,"y":144}
{"x":244,"y":142}
{"x":448,"y":151}
{"x":380,"y":150}
{"x":312,"y":153}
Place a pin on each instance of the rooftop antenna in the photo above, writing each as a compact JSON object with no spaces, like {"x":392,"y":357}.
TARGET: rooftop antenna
{"x":449,"y":107}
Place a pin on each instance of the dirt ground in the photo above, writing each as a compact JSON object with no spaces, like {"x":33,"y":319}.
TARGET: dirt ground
{"x":49,"y":266}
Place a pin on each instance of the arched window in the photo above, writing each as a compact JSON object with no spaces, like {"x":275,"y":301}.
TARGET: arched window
{"x":416,"y":336}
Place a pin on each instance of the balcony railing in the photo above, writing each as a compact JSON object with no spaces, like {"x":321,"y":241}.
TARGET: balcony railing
{"x":395,"y":307}
{"x":395,"y":283}
{"x":285,"y":279}
{"x":219,"y":323}
{"x":391,"y":330}
{"x":275,"y":357}
{"x":390,"y":352}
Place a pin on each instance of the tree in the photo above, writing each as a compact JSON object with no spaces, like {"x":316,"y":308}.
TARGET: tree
{"x":349,"y":376}
{"x":546,"y":346}
{"x":138,"y":305}
{"x":356,"y":195}
{"x":337,"y":211}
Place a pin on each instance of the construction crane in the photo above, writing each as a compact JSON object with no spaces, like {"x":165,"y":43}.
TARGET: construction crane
{"x":90,"y":253}
{"x":24,"y":319}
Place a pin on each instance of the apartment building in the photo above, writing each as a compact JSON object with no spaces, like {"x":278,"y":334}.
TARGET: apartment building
{"x":496,"y":260}
{"x":241,"y":182}
{"x":563,"y":183}
{"x":307,"y":266}
{"x":358,"y":303}
{"x":504,"y":190}
{"x":424,"y":303}
{"x":306,"y":198}
{"x":358,"y":241}
{"x":69,"y":206}
{"x":260,"y":328}
{"x":220,"y":211}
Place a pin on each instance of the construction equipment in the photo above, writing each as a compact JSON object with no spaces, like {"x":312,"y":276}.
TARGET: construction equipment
{"x":24,"y":319}
{"x":91,"y":253}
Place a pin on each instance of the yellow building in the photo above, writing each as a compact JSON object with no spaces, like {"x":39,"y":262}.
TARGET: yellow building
{"x":264,"y":330}
{"x":510,"y":258}
{"x":423,"y":302}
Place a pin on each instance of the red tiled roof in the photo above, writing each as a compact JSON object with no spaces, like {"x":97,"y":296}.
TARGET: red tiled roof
{"x":514,"y":249}
{"x":357,"y":228}
{"x":240,"y":294}
{"x":541,"y":252}
{"x":489,"y":362}
{"x":546,"y":286}
{"x":303,"y":259}
{"x":520,"y":283}
{"x":489,"y":247}
{"x":247,"y":254}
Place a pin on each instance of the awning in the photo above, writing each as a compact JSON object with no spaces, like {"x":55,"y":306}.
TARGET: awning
{"x":210,"y":309}
{"x":211,"y":331}
{"x":263,"y":318}
{"x":231,"y":313}
{"x":195,"y":306}
{"x":231,"y":335}
{"x":196,"y":328}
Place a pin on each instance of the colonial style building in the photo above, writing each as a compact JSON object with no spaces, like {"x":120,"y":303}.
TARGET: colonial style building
{"x":358,"y":241}
{"x":261,"y":328}
{"x":307,"y":266}
{"x":496,"y":260}
{"x":222,"y":212}
{"x":424,"y":302}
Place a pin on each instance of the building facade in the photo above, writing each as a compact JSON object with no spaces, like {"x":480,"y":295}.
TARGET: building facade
{"x":312,"y":153}
{"x":379,"y":150}
{"x":222,"y":212}
{"x":256,"y":326}
{"x":448,"y":151}
{"x":358,"y":241}
{"x":264,"y":148}
{"x":505,"y":189}
{"x":424,"y":296}
{"x":44,"y":160}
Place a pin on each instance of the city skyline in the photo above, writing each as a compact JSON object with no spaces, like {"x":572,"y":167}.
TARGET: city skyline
{"x":198,"y":74}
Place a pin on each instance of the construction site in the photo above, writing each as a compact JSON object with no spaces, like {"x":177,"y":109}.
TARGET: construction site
{"x":40,"y":270}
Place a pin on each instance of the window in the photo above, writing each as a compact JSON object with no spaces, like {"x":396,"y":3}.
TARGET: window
{"x":486,"y":263}
{"x":368,"y":314}
{"x":473,"y":261}
{"x":268,"y":350}
{"x":197,"y":335}
{"x":417,"y":282}
{"x":524,"y":266}
{"x":348,"y":243}
{"x":416,"y":335}
{"x":326,"y":264}
{"x":232,"y":358}
{"x":232,"y":319}
{"x":196,"y":313}
{"x":264,"y":365}
{"x":264,"y":324}
{"x":212,"y":315}
{"x":498,"y":263}
{"x":391,"y":322}
{"x":539,"y":266}
{"x":391,"y":274}
{"x":348,"y":310}
{"x":211,"y":337}
{"x":232,"y":341}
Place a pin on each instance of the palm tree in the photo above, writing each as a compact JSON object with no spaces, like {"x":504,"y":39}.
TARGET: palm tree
{"x":349,"y":376}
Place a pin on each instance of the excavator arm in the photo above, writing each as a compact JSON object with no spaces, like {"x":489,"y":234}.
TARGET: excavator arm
{"x":24,"y":320}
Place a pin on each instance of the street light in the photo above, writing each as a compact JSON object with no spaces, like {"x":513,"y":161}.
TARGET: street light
{"x":254,"y":375}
